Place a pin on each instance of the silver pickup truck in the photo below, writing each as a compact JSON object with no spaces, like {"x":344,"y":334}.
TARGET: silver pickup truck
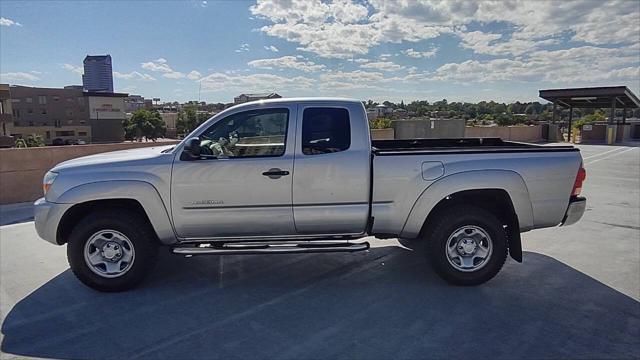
{"x":303,"y":175}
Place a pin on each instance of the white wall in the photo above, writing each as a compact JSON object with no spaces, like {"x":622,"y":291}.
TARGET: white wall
{"x":106,"y":107}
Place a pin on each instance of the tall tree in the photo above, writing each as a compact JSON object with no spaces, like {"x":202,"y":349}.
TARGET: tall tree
{"x":187,"y":120}
{"x":144,"y":124}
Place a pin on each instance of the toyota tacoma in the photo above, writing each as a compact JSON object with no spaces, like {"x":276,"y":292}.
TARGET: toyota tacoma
{"x":299,"y":176}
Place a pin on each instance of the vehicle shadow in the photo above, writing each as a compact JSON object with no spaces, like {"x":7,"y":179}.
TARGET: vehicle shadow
{"x":384,"y":303}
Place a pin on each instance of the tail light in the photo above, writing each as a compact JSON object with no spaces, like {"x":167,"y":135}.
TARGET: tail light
{"x":580,"y":177}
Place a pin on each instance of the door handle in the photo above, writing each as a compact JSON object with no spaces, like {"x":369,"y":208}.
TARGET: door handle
{"x":275,"y":173}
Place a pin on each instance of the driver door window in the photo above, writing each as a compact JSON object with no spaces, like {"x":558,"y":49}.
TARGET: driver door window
{"x":257,"y":133}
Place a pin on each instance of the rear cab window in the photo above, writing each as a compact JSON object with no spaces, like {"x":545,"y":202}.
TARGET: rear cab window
{"x":325,"y":130}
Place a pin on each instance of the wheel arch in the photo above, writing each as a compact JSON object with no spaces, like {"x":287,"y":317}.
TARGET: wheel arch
{"x":502,"y":192}
{"x":138,"y":196}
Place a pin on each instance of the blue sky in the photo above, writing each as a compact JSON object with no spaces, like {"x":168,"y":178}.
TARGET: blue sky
{"x":381,"y":50}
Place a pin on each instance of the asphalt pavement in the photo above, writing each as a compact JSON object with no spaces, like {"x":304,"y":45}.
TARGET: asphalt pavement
{"x":576,"y":295}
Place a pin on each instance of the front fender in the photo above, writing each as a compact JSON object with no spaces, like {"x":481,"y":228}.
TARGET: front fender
{"x":143,"y":192}
{"x":507,"y":180}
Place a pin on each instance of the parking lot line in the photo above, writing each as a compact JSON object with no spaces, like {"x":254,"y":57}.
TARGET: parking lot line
{"x":603,"y":153}
{"x":610,"y":156}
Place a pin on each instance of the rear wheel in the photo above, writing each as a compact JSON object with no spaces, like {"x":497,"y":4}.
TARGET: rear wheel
{"x":112,"y":250}
{"x":467,"y":245}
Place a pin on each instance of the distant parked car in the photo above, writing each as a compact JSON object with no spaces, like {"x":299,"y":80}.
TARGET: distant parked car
{"x":57,"y":142}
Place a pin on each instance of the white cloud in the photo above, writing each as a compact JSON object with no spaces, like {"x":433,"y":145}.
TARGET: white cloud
{"x":134,"y":75}
{"x":580,"y":64}
{"x":18,"y":76}
{"x":357,"y":79}
{"x":271,"y":48}
{"x":194,"y":75}
{"x":254,"y":82}
{"x":76,"y":69}
{"x":8,"y":22}
{"x":487,"y":43}
{"x":382,"y":65}
{"x":161,"y":65}
{"x":420,"y":54}
{"x":174,"y":75}
{"x":339,"y":29}
{"x":243,"y":48}
{"x":344,"y":28}
{"x":286,"y":62}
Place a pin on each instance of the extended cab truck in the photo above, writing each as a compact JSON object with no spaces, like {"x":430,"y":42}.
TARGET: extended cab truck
{"x":302,"y":175}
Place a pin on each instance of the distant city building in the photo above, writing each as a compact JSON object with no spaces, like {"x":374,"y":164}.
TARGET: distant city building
{"x":383,"y":110}
{"x":6,"y":117}
{"x":133,"y":103}
{"x":67,"y":115}
{"x":170,"y":120}
{"x":379,"y":111}
{"x":243,"y":98}
{"x":98,"y":74}
{"x":57,"y":115}
{"x":106,"y":115}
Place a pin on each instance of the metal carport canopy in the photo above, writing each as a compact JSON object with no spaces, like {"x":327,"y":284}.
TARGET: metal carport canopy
{"x":592,"y":97}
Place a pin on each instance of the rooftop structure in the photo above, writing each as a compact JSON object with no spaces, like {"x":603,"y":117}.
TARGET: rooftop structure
{"x":592,"y":97}
{"x":243,"y":98}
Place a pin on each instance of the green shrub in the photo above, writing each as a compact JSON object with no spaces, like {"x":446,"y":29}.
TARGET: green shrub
{"x":380,"y":123}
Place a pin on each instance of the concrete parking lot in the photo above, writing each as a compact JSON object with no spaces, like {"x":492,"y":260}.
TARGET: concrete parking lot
{"x":576,"y":295}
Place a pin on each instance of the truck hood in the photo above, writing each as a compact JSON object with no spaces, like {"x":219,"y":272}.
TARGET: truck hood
{"x":113,"y":157}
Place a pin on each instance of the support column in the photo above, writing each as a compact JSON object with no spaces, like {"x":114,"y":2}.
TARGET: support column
{"x":553,"y":114}
{"x":613,"y":111}
{"x":570,"y":120}
{"x":612,"y":128}
{"x":624,"y":115}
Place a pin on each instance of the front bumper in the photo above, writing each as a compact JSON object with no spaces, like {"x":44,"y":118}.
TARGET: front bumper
{"x":575,"y":210}
{"x":47,"y":216}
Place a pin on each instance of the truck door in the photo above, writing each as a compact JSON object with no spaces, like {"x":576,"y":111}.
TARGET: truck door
{"x":332,"y":170}
{"x":242,"y":186}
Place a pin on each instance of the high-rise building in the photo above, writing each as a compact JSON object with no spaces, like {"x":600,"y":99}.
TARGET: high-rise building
{"x":98,"y":75}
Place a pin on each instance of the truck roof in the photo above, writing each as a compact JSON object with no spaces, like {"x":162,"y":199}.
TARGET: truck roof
{"x":297,"y":100}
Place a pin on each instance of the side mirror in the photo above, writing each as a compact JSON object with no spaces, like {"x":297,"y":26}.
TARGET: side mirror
{"x":191,"y":150}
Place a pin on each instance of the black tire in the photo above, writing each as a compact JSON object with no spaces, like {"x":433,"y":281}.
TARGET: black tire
{"x":138,"y":231}
{"x":446,"y":224}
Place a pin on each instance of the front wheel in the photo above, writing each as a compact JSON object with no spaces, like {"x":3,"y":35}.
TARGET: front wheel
{"x":467,"y":246}
{"x":112,"y":250}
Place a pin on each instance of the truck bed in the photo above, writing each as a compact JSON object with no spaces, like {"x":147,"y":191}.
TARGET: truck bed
{"x":538,"y":178}
{"x":458,"y":145}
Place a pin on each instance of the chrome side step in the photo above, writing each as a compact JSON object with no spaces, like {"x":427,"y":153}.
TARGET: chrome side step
{"x":251,"y":248}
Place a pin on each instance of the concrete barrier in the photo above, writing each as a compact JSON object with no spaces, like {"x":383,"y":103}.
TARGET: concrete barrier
{"x":382,"y":134}
{"x":509,"y":133}
{"x":21,"y":170}
{"x":428,"y":128}
{"x":606,"y":133}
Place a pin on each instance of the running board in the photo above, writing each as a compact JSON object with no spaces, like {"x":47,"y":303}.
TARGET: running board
{"x":270,"y":248}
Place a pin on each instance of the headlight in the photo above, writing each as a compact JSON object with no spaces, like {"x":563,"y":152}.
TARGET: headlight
{"x":48,"y":180}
